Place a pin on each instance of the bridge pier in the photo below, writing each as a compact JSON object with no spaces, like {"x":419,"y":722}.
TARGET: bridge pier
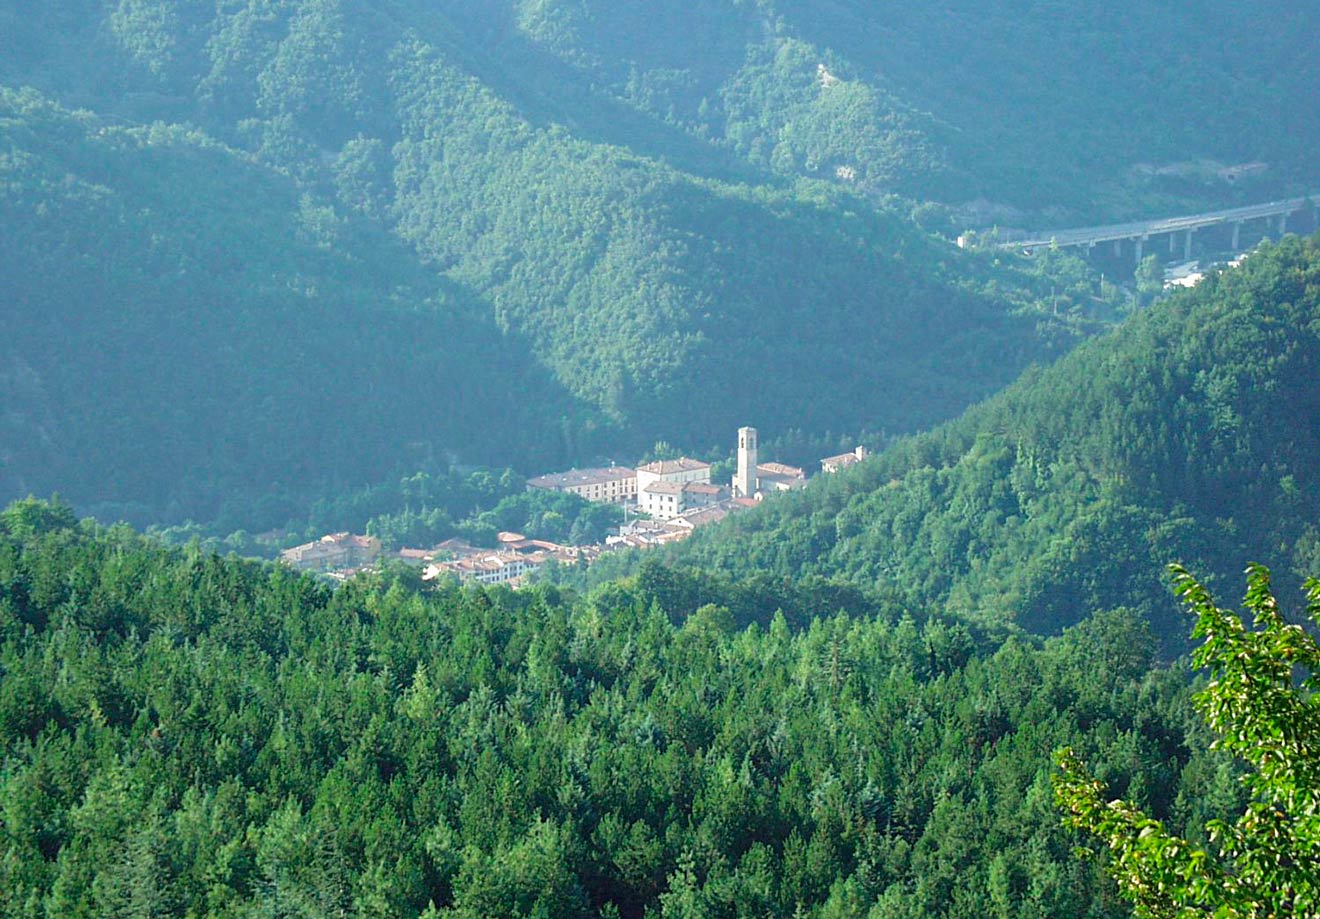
{"x":1306,"y":210}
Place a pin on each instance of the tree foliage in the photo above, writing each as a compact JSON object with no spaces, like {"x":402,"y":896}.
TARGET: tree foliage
{"x":1259,"y":702}
{"x":313,"y":245}
{"x":186,"y":734}
{"x":1190,"y":432}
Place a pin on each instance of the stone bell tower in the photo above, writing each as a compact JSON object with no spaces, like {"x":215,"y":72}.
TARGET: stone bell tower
{"x":744,"y":482}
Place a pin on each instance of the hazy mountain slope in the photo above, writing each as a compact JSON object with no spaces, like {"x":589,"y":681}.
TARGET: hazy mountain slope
{"x":645,"y":288}
{"x":361,"y":159}
{"x":1189,"y":434}
{"x":182,"y":326}
{"x":1038,"y":106}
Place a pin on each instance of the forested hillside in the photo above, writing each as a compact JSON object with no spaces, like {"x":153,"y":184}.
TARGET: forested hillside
{"x":1063,"y":107}
{"x":187,"y":735}
{"x":1190,"y":434}
{"x":181,"y":328}
{"x":1057,"y":108}
{"x":294,"y":247}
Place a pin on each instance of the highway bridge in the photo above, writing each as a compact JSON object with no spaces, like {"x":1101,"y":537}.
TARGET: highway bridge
{"x":1140,"y":232}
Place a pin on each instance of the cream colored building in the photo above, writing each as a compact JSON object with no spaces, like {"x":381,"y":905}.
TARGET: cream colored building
{"x":613,"y":485}
{"x":843,"y":460}
{"x":666,"y":500}
{"x":779,"y":477}
{"x":678,"y":471}
{"x":335,"y":551}
{"x":494,"y":568}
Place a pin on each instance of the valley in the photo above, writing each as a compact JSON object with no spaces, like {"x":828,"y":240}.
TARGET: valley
{"x":409,"y":423}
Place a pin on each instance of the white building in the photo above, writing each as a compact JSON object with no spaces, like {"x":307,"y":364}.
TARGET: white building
{"x":679,"y":471}
{"x":779,"y":477}
{"x":614,"y":485}
{"x":661,"y":500}
{"x":494,"y":568}
{"x":843,"y":460}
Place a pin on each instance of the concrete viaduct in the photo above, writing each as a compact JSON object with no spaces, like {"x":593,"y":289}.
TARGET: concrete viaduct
{"x":1141,"y":231}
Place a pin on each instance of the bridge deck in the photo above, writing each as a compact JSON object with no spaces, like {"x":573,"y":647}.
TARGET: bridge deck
{"x":1086,"y":236}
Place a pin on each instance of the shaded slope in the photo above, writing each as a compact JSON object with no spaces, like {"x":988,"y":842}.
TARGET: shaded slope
{"x":183,"y":325}
{"x":458,"y":235}
{"x":1192,"y":433}
{"x":1044,"y":107}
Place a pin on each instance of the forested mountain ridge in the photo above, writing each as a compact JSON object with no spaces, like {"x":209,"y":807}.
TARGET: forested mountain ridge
{"x":181,"y":326}
{"x":1189,"y":434}
{"x":394,"y":248}
{"x":182,"y":734}
{"x":1064,"y":107}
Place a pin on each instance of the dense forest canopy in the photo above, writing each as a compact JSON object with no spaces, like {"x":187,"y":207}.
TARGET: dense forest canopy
{"x":1029,"y":105}
{"x":305,"y":265}
{"x":270,"y":252}
{"x":188,"y":735}
{"x":1189,"y":434}
{"x":562,"y":221}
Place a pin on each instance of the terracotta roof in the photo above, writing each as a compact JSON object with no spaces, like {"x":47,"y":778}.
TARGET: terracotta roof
{"x":576,"y":478}
{"x":792,"y":472}
{"x":702,"y":488}
{"x":843,"y":459}
{"x":668,"y":467}
{"x":664,"y":488}
{"x":705,"y":515}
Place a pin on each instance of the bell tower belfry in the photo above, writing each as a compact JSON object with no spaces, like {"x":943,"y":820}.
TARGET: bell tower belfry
{"x":744,"y":482}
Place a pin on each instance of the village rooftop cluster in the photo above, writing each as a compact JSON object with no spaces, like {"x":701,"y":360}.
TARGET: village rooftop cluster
{"x":666,"y":501}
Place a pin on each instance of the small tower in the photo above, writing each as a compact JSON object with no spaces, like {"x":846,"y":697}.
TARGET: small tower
{"x":744,"y":482}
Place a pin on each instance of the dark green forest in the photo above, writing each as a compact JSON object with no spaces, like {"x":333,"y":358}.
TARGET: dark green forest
{"x":1190,"y":433}
{"x":274,"y":268}
{"x":261,"y":254}
{"x":184,"y":734}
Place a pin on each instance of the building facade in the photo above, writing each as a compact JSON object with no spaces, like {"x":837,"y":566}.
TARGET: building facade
{"x":683,"y":469}
{"x":744,"y":480}
{"x":615,"y":485}
{"x":843,"y":460}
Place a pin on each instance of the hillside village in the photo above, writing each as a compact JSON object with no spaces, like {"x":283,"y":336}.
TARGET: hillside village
{"x":663,"y":502}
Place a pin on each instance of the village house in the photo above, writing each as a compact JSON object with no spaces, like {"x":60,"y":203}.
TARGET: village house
{"x":615,"y":484}
{"x":333,"y":552}
{"x":779,"y":477}
{"x":415,"y":557}
{"x":843,"y":460}
{"x":666,"y":488}
{"x":663,"y":500}
{"x":755,"y":478}
{"x":679,"y":470}
{"x":492,"y":568}
{"x":698,"y":517}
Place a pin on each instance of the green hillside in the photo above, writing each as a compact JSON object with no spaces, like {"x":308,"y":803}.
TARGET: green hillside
{"x":187,"y":735}
{"x":1047,"y":108}
{"x":545,"y":232}
{"x":270,"y":253}
{"x":183,"y":327}
{"x":1190,"y":434}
